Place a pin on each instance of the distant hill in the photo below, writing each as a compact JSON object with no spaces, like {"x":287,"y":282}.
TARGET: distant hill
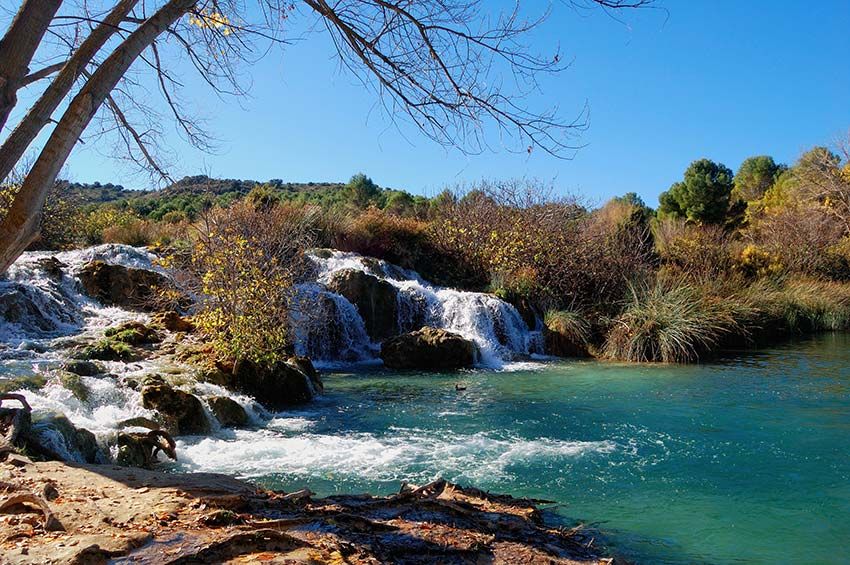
{"x":190,"y":195}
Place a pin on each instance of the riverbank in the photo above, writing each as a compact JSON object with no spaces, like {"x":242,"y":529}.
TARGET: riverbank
{"x":55,"y":512}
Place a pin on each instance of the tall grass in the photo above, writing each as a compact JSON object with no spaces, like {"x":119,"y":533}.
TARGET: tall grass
{"x":801,"y":305}
{"x":570,"y":324}
{"x":674,"y":323}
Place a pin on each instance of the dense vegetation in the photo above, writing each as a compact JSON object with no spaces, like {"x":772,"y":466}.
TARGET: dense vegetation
{"x":726,"y":260}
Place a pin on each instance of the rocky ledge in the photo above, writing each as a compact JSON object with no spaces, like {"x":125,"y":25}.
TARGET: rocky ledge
{"x":54,"y":512}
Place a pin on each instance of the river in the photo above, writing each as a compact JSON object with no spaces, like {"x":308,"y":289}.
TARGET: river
{"x":740,"y":461}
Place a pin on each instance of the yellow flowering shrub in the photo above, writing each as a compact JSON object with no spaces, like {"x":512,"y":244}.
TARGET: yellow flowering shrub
{"x":755,"y":262}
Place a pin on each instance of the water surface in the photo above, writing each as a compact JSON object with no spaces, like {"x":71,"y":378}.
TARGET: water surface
{"x":742,"y":461}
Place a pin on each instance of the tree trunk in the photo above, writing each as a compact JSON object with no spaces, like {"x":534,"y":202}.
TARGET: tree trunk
{"x":18,"y":47}
{"x":39,"y":115}
{"x":21,"y":224}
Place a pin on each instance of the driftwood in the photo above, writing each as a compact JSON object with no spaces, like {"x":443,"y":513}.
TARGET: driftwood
{"x":51,"y":524}
{"x":13,"y":422}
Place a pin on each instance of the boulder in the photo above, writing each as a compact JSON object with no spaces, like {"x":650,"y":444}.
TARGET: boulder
{"x":376,"y":300}
{"x":428,"y":348}
{"x":122,"y":286}
{"x":54,"y":435}
{"x":133,"y":333}
{"x":83,"y":368}
{"x":131,"y":451}
{"x":227,"y":411}
{"x":182,"y":413}
{"x":172,"y":321}
{"x":106,"y":349}
{"x":276,"y":385}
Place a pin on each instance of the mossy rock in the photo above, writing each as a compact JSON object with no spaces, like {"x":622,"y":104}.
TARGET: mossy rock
{"x":131,"y":452}
{"x":107,"y":350}
{"x":74,"y":383}
{"x":83,"y":368}
{"x":133,"y":333}
{"x":31,"y":382}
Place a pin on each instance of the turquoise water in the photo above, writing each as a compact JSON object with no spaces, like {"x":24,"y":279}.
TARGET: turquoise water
{"x":741,"y":461}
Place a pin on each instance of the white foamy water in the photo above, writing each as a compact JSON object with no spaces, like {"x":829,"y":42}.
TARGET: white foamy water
{"x":492,"y":324}
{"x":39,"y":304}
{"x":400,"y":455}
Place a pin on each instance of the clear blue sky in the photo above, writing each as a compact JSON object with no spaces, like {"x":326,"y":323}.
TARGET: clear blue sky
{"x":718,"y":79}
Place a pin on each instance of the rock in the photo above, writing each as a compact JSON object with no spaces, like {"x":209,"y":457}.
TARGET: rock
{"x":133,"y":333}
{"x":106,"y":349}
{"x":33,"y":382}
{"x":376,"y":300}
{"x":83,"y":368}
{"x":68,"y":439}
{"x":75,"y":384}
{"x":122,"y":286}
{"x":138,"y":422}
{"x":275,"y":386}
{"x":172,"y":321}
{"x":183,"y":413}
{"x":131,"y":451}
{"x":51,"y":266}
{"x":227,"y":411}
{"x":306,"y":366}
{"x":428,"y":348}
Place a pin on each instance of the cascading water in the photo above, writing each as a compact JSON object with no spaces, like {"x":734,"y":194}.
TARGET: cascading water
{"x":41,"y":299}
{"x":44,"y":312}
{"x":494,"y":325}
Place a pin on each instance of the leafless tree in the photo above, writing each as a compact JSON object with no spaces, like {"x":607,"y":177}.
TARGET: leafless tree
{"x":442,"y":63}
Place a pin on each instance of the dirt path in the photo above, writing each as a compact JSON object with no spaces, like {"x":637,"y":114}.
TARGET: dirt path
{"x":56,"y":512}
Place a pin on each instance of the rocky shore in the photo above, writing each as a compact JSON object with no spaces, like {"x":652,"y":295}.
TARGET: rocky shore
{"x":55,"y":512}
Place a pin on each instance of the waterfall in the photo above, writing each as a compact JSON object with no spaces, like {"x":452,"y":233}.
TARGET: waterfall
{"x":492,"y":324}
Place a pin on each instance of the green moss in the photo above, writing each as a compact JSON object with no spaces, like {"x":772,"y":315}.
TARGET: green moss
{"x":107,"y":350}
{"x":133,"y":333}
{"x":75,"y":384}
{"x":31,"y":382}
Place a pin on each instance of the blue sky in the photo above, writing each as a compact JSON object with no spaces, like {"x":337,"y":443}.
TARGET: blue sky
{"x":720,"y":79}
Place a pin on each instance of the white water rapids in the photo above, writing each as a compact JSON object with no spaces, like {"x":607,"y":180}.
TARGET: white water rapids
{"x":42,"y":307}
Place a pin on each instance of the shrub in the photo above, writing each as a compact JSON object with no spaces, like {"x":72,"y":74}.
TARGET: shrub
{"x":243,"y":265}
{"x":699,"y":253}
{"x":96,"y":222}
{"x":754,"y":262}
{"x":674,"y":323}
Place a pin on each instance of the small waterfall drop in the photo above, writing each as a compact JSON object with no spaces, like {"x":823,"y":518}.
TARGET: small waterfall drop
{"x":494,"y":325}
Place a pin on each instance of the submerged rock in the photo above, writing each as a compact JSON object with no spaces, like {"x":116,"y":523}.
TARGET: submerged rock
{"x":182,"y":412}
{"x":122,"y":286}
{"x":227,"y":411}
{"x":376,"y":300}
{"x":428,"y":348}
